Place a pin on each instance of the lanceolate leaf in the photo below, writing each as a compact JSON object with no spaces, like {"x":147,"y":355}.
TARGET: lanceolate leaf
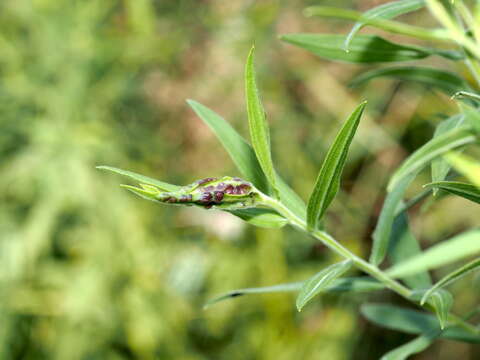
{"x":320,"y":282}
{"x":412,"y":347}
{"x":466,"y":166}
{"x":472,"y":115}
{"x":452,"y":277}
{"x":463,"y":245}
{"x":328,"y":181}
{"x":244,"y":157}
{"x":362,"y":49}
{"x":438,"y":145}
{"x":413,"y":322}
{"x":381,"y":235}
{"x":347,"y":284}
{"x":467,"y":191}
{"x":442,"y":302}
{"x":404,"y":245}
{"x":141,"y":178}
{"x":261,"y":217}
{"x":446,"y":81}
{"x":385,"y":11}
{"x":239,"y":150}
{"x":440,"y":167}
{"x":258,"y":123}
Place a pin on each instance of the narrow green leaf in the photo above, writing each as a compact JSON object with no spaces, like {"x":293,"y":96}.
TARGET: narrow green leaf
{"x":244,"y":157}
{"x":446,"y":81}
{"x":413,"y":322}
{"x":261,"y":217}
{"x":347,"y":284}
{"x":384,"y":11}
{"x":381,"y":234}
{"x":463,"y":245}
{"x":467,"y":191}
{"x":437,"y":146}
{"x":381,"y":23}
{"x":412,"y":347}
{"x":452,"y":277}
{"x":320,"y":282}
{"x":404,"y":245}
{"x":257,"y":121}
{"x":440,"y":168}
{"x":328,"y":180}
{"x":442,"y":302}
{"x":466,"y":165}
{"x":141,"y":178}
{"x":363,"y":48}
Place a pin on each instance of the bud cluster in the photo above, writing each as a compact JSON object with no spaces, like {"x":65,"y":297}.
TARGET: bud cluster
{"x":225,"y":193}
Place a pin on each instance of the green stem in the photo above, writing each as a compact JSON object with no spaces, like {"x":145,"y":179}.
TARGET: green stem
{"x":360,"y":263}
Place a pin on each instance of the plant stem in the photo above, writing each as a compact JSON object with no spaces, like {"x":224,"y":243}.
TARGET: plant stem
{"x":360,"y":263}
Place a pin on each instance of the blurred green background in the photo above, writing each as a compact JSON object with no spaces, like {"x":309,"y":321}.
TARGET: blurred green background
{"x":88,"y":271}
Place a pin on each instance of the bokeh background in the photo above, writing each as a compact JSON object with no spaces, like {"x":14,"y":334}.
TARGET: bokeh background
{"x":88,"y":271}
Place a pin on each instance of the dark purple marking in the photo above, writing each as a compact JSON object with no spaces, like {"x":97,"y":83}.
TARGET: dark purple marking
{"x":218,"y":195}
{"x":209,"y":188}
{"x":206,"y":180}
{"x":229,"y":189}
{"x":171,"y":200}
{"x":185,"y":198}
{"x":243,"y":188}
{"x":221,"y":186}
{"x":206,"y":198}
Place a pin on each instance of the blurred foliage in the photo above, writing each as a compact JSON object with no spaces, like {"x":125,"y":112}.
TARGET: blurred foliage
{"x":88,"y":272}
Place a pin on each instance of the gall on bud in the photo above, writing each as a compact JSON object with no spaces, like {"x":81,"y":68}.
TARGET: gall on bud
{"x":227,"y":193}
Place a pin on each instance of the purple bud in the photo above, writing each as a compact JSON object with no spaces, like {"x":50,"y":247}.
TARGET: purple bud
{"x":218,"y":195}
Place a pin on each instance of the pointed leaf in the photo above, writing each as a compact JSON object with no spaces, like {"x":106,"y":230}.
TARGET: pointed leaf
{"x":257,"y":121}
{"x":465,"y":165}
{"x":452,"y":277}
{"x":437,"y":146}
{"x":261,"y":217}
{"x":141,"y":178}
{"x":389,"y":10}
{"x":348,"y":284}
{"x":244,"y":157}
{"x":446,"y":81}
{"x":463,"y":245}
{"x":472,"y":115}
{"x":440,"y":168}
{"x":404,"y":245}
{"x":466,"y":95}
{"x":320,"y":282}
{"x":363,"y":48}
{"x":467,"y":191}
{"x":413,"y":322}
{"x":412,"y":347}
{"x":381,"y":234}
{"x":328,"y":180}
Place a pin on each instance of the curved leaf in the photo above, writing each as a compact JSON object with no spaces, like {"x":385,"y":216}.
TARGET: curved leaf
{"x":381,"y":234}
{"x":320,"y":282}
{"x":261,"y":217}
{"x":413,"y":322}
{"x":257,"y":122}
{"x":384,"y":11}
{"x":452,"y":277}
{"x":347,"y":284}
{"x":446,"y":81}
{"x":442,"y":302}
{"x":363,"y":48}
{"x":328,"y":180}
{"x":438,"y":145}
{"x":466,"y":165}
{"x":412,"y":347}
{"x":463,"y":245}
{"x":467,"y":191}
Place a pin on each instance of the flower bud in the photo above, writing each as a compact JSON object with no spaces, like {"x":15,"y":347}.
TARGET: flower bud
{"x":226,"y":193}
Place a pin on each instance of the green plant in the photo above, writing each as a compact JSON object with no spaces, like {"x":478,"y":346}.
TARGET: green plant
{"x":264,"y":199}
